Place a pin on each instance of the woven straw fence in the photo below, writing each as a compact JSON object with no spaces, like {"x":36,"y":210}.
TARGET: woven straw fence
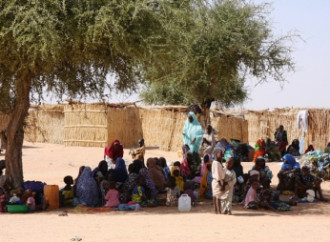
{"x":125,"y":125}
{"x":263,"y":124}
{"x":45,"y":124}
{"x":162,"y":128}
{"x":85,"y":125}
{"x":230,"y":128}
{"x":97,"y":125}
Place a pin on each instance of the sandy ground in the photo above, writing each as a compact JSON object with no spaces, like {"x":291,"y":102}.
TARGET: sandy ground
{"x":50,"y":163}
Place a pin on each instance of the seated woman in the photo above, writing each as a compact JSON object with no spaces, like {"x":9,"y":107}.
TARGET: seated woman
{"x":139,"y":153}
{"x":310,"y":148}
{"x":130,"y":182}
{"x":287,"y":173}
{"x":259,"y":149}
{"x":119,"y":174}
{"x":305,"y":181}
{"x":293,"y":149}
{"x":87,"y":191}
{"x":265,"y":174}
{"x":156,"y":174}
{"x":271,"y":150}
{"x":101,"y":171}
{"x":151,"y":192}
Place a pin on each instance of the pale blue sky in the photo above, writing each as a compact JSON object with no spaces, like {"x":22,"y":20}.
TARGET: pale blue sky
{"x":309,"y":85}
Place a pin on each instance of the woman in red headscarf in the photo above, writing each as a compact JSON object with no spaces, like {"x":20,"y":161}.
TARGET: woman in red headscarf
{"x":113,"y":151}
{"x":259,"y":149}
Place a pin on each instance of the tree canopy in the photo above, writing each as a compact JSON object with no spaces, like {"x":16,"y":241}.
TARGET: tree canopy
{"x":182,"y":50}
{"x":226,"y":43}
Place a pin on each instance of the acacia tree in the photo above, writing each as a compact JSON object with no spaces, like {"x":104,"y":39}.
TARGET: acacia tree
{"x":227,"y":42}
{"x":68,"y":47}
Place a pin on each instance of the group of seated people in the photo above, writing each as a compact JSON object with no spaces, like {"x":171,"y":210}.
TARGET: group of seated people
{"x":153,"y":182}
{"x":146,"y":183}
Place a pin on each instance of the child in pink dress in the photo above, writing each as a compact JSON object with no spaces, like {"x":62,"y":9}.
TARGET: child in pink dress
{"x":112,"y":196}
{"x":251,"y":199}
{"x":31,"y":202}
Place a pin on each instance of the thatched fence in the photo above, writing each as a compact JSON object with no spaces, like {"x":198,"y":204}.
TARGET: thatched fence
{"x":45,"y":124}
{"x":97,"y":125}
{"x":263,"y":124}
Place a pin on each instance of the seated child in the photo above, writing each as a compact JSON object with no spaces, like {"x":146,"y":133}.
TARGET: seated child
{"x":251,"y":199}
{"x":178,"y":179}
{"x":175,"y":166}
{"x":252,"y":176}
{"x":163,"y":165}
{"x":138,"y":193}
{"x":205,"y":190}
{"x":2,"y":200}
{"x":104,"y":188}
{"x":112,"y":196}
{"x":188,"y":190}
{"x":67,"y":193}
{"x":172,"y":192}
{"x":305,"y":181}
{"x":14,"y":199}
{"x":30,"y":201}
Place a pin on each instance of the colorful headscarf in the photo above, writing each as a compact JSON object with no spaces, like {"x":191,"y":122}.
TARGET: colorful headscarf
{"x":112,"y":153}
{"x":289,"y":163}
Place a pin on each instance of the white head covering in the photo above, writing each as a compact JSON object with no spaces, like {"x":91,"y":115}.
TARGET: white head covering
{"x":254,"y":173}
{"x":217,"y":150}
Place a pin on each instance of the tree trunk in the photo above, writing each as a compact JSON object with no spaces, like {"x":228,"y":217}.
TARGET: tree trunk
{"x":15,"y":134}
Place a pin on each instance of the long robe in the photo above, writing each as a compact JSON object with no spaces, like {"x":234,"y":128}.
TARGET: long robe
{"x":227,"y":195}
{"x":156,"y":174}
{"x":87,"y":190}
{"x":218,"y":175}
{"x":192,"y":131}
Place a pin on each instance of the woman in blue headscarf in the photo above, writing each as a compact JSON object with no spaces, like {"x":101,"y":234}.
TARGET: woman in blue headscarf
{"x":120,"y":172}
{"x":192,"y":133}
{"x":87,"y":191}
{"x":288,"y":173}
{"x":289,"y":163}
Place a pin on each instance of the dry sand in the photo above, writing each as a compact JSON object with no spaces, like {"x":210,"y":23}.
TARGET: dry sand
{"x":50,"y":163}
